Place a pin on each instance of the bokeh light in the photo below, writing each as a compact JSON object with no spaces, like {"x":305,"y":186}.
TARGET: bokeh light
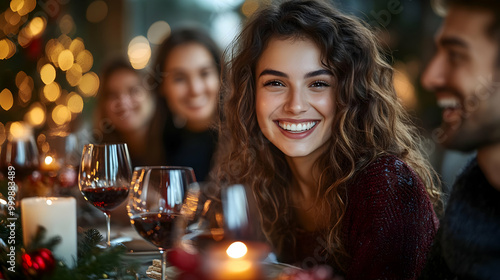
{"x":158,"y":31}
{"x":52,"y":49}
{"x":249,"y":7}
{"x":66,"y":24}
{"x":89,"y":85}
{"x":20,"y":78}
{"x":19,"y":130}
{"x":7,"y":49}
{"x":85,"y":60}
{"x":36,"y":115}
{"x":74,"y":75}
{"x":139,"y":52}
{"x":52,"y":91}
{"x":27,"y":7}
{"x":25,"y":88}
{"x":61,"y":114}
{"x":48,"y":73}
{"x":16,"y":5}
{"x":3,"y":135}
{"x":6,"y":99}
{"x":65,"y":60}
{"x":75,"y":102}
{"x":65,"y":41}
{"x":77,"y":46}
{"x":36,"y":26}
{"x":97,"y":11}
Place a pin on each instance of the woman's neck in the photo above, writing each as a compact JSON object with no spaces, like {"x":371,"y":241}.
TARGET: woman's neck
{"x":304,"y":191}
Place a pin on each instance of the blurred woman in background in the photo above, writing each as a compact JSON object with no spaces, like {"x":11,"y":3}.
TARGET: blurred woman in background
{"x":187,"y":72}
{"x":127,"y":112}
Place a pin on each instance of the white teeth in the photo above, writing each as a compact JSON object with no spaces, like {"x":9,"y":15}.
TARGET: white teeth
{"x":297,"y":128}
{"x":448,"y":103}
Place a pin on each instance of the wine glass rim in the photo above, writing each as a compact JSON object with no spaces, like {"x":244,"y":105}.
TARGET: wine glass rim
{"x":106,"y":144}
{"x":163,"y":167}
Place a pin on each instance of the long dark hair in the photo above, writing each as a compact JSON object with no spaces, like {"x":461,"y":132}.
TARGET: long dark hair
{"x":369,"y":120}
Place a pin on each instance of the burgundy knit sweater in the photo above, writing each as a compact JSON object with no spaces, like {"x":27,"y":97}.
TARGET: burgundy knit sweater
{"x":388,"y":226}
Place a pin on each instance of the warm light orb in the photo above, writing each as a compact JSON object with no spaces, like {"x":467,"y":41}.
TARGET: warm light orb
{"x":75,"y":102}
{"x":52,"y":91}
{"x":89,"y":85}
{"x":97,"y":11}
{"x":36,"y":26}
{"x":65,"y":60}
{"x":158,"y":31}
{"x":85,"y":60}
{"x":66,"y":24}
{"x":61,"y":115}
{"x":18,"y":130}
{"x":35,"y":115}
{"x":249,"y":7}
{"x":28,"y":6}
{"x":48,"y":73}
{"x":25,"y":88}
{"x":16,"y":5}
{"x":48,"y":160}
{"x":76,"y":46}
{"x":49,"y":202}
{"x":6,"y":99}
{"x":237,"y":250}
{"x":74,"y":75}
{"x":7,"y":49}
{"x":139,"y":52}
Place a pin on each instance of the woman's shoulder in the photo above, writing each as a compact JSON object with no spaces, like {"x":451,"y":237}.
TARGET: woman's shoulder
{"x":386,"y":175}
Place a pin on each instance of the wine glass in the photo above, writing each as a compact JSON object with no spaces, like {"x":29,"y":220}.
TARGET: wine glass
{"x":104,"y":178}
{"x":19,"y":151}
{"x":161,"y":198}
{"x":60,"y":156}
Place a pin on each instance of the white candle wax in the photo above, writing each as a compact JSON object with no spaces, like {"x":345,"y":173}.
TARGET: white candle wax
{"x":58,"y":216}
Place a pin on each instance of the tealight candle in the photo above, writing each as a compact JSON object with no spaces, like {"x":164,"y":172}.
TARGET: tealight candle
{"x":235,"y":261}
{"x":49,"y":164}
{"x":58,"y":216}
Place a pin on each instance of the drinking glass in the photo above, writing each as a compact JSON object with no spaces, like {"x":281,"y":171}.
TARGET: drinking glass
{"x":104,"y":178}
{"x":19,"y":151}
{"x":60,"y":157}
{"x":161,"y":198}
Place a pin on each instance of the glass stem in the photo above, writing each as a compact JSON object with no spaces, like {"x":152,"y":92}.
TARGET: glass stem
{"x":163,"y":263}
{"x":108,"y":227}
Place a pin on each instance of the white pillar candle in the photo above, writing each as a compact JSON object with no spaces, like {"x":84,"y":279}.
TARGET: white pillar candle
{"x":58,"y":216}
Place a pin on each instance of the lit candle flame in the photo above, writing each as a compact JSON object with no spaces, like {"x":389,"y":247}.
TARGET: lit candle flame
{"x":237,"y":250}
{"x":48,"y":160}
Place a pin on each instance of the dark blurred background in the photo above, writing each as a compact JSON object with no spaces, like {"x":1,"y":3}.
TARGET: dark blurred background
{"x":51,"y":51}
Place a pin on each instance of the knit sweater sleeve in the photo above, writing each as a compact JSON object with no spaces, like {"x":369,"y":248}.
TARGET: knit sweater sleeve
{"x":390,"y":223}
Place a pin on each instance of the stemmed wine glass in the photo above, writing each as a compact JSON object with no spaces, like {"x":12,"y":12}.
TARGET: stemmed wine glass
{"x":104,"y":177}
{"x":19,"y":151}
{"x":161,"y":198}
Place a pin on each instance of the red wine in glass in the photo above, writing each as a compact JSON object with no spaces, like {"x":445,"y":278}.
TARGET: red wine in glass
{"x":161,"y":198}
{"x":106,"y":198}
{"x":156,"y":228}
{"x":104,"y":177}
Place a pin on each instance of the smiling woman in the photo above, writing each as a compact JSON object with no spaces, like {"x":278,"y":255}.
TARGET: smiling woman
{"x":313,"y":126}
{"x":126,"y":112}
{"x":187,"y":74}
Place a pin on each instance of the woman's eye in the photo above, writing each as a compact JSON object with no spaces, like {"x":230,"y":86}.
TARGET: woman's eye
{"x":178,"y":79}
{"x":274,"y":83}
{"x":319,"y":84}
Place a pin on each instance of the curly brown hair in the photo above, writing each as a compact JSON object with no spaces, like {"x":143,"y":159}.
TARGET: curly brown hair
{"x":369,"y":120}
